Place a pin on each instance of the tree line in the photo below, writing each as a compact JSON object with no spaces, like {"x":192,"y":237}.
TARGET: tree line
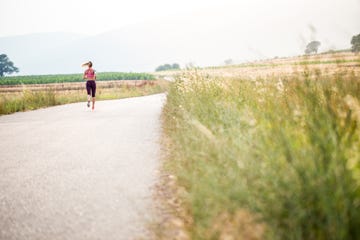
{"x":313,"y":46}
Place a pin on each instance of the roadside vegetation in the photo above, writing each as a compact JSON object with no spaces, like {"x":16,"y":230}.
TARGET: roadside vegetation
{"x":29,"y":99}
{"x":271,"y":157}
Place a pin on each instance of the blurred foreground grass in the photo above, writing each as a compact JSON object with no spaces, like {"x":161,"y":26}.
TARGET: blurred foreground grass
{"x":271,"y":158}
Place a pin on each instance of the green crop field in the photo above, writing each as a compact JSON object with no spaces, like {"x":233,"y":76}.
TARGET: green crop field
{"x":62,"y":78}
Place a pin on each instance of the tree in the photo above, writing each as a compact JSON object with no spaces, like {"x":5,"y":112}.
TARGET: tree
{"x":162,"y":68}
{"x":165,"y":67}
{"x":355,"y":42}
{"x":6,"y":66}
{"x":312,"y":47}
{"x":176,"y":66}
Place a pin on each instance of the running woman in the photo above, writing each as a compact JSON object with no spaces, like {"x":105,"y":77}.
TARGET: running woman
{"x":90,"y":77}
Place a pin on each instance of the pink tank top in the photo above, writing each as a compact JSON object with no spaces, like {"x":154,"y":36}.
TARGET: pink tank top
{"x":90,"y":74}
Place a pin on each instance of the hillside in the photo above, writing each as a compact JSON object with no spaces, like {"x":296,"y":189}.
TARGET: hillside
{"x":327,"y":62}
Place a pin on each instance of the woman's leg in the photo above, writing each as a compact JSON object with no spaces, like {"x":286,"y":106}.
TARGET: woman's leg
{"x":88,"y":99}
{"x":93,"y":94}
{"x":88,"y":90}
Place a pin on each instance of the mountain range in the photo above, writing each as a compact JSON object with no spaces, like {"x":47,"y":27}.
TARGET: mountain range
{"x":143,"y":47}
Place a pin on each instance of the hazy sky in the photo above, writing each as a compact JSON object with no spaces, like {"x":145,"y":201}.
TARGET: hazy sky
{"x":205,"y":32}
{"x":90,"y":16}
{"x":93,"y":17}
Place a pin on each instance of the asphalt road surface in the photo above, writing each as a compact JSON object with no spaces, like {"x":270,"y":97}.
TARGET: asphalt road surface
{"x":69,"y":173}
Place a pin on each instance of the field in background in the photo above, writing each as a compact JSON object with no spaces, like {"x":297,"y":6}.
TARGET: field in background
{"x":14,"y":98}
{"x":328,"y":63}
{"x":66,"y":86}
{"x":267,"y":150}
{"x":64,"y":78}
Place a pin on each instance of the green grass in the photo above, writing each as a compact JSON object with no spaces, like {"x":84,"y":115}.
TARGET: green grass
{"x":285,"y":149}
{"x":61,"y":78}
{"x":30,"y":100}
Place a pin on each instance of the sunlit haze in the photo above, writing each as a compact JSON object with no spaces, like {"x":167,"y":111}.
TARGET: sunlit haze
{"x":241,"y":30}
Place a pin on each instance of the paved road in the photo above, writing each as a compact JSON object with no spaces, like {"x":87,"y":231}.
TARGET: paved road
{"x":69,"y":173}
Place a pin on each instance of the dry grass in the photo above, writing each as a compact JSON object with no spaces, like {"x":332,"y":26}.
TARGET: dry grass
{"x":74,"y":85}
{"x":267,"y":152}
{"x":328,"y":64}
{"x":28,"y":97}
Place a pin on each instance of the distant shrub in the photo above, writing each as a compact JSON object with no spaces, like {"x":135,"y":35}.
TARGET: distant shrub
{"x":355,"y":42}
{"x":166,"y":67}
{"x":312,"y":47}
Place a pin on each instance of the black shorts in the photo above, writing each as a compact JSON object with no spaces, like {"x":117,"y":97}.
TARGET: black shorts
{"x":91,"y":87}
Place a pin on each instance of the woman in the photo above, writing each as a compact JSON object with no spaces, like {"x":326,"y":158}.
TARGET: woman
{"x":90,"y":77}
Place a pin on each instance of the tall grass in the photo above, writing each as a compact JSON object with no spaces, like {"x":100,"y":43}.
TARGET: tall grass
{"x":285,"y":151}
{"x":27,"y":100}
